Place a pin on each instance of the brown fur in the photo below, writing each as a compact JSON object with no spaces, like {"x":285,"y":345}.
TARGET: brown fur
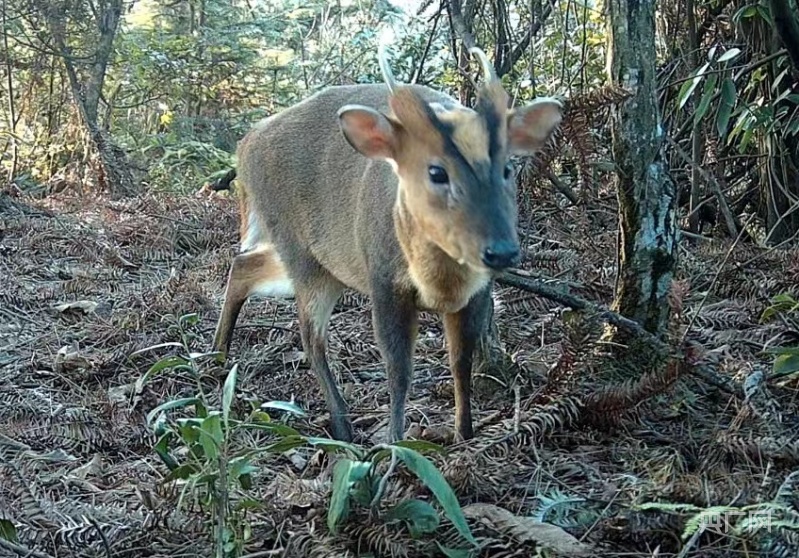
{"x":323,"y":217}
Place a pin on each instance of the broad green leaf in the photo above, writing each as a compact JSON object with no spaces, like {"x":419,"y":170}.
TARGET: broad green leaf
{"x":211,"y":435}
{"x":340,"y":497}
{"x":435,"y":481}
{"x":419,"y":515}
{"x":169,"y":405}
{"x":330,"y":445}
{"x":8,"y":531}
{"x":284,"y":406}
{"x":730,"y":54}
{"x":707,"y":95}
{"x":726,"y":105}
{"x":286,"y":444}
{"x":745,"y":13}
{"x":228,"y":393}
{"x":689,"y":86}
{"x":786,"y":364}
{"x":163,"y":364}
{"x":421,"y":445}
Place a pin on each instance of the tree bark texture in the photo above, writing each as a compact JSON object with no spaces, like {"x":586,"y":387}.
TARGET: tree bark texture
{"x":647,"y":197}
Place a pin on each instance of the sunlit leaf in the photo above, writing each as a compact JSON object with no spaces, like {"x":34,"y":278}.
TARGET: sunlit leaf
{"x":786,"y":364}
{"x":691,"y":84}
{"x":730,"y":54}
{"x":228,"y":393}
{"x":284,"y":406}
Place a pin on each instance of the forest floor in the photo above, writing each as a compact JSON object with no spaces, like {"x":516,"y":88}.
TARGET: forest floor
{"x":86,"y":282}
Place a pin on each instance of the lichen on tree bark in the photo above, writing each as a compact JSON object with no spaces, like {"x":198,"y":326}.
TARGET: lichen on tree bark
{"x":647,"y":197}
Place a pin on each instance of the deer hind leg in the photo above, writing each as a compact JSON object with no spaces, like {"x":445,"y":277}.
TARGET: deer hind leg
{"x":259,"y":271}
{"x":317,"y":295}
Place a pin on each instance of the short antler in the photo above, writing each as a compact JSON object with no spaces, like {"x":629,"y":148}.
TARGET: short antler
{"x":382,"y":60}
{"x":489,"y":74}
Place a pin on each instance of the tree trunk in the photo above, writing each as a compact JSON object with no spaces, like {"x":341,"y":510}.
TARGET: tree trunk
{"x":647,"y":216}
{"x":115,"y":172}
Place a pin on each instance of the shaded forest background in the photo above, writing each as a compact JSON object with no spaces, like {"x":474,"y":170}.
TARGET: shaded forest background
{"x":673,"y":432}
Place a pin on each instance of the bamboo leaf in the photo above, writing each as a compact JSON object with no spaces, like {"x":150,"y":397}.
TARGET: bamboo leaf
{"x":689,"y":86}
{"x":707,"y":95}
{"x":728,"y":95}
{"x":730,"y":54}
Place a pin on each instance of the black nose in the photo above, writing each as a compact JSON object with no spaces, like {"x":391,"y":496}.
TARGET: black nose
{"x":501,"y":255}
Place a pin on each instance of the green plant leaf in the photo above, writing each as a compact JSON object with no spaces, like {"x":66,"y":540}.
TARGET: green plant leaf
{"x":8,"y":531}
{"x":169,"y":405}
{"x":162,"y":449}
{"x":730,"y":54}
{"x":421,"y":445}
{"x":781,"y":351}
{"x":786,"y":364}
{"x":188,"y":320}
{"x":419,"y":515}
{"x":332,"y":446}
{"x":689,"y":86}
{"x":340,"y":497}
{"x":435,"y":481}
{"x":284,"y":406}
{"x":707,"y":95}
{"x":726,"y":105}
{"x":154,"y":347}
{"x":228,"y":393}
{"x":211,"y":435}
{"x":455,"y":552}
{"x":182,"y":472}
{"x":286,"y":444}
{"x":277,"y":428}
{"x":163,"y":364}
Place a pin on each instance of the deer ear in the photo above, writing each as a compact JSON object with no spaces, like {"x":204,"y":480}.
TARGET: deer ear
{"x":370,"y":132}
{"x":530,"y":126}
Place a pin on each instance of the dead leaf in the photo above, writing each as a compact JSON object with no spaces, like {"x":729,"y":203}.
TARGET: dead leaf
{"x":85,"y":306}
{"x":528,"y":529}
{"x":68,"y":358}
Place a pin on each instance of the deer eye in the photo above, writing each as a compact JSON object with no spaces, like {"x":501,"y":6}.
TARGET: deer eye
{"x":508,"y":171}
{"x":437,"y":175}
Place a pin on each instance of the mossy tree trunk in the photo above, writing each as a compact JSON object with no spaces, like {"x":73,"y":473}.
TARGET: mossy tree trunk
{"x":647,"y":198}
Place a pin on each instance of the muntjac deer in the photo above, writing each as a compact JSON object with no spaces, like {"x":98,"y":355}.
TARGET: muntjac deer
{"x":396,"y":191}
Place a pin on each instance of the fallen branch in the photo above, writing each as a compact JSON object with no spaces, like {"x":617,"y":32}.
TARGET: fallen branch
{"x":577,"y":303}
{"x":705,"y":373}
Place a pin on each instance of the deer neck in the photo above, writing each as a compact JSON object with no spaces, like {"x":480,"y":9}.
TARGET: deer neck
{"x":442,"y":284}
